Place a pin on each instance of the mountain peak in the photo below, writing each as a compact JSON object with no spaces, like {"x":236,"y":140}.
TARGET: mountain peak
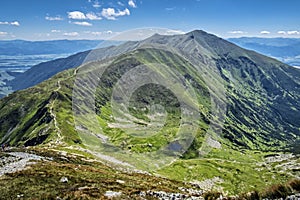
{"x":197,"y":32}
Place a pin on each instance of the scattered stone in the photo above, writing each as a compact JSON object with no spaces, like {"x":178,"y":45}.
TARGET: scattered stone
{"x":120,"y":181}
{"x":86,"y":188}
{"x":161,"y":195}
{"x":209,"y":184}
{"x":17,"y":161}
{"x":213,"y":143}
{"x":64,"y":180}
{"x":293,"y":197}
{"x":111,"y":194}
{"x":142,"y":194}
{"x":279,"y":158}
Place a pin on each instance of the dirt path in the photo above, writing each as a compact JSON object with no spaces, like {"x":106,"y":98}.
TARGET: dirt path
{"x":59,"y":134}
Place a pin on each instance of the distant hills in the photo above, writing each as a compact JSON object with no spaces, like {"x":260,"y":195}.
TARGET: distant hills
{"x":19,"y":55}
{"x":22,"y":47}
{"x":284,"y":49}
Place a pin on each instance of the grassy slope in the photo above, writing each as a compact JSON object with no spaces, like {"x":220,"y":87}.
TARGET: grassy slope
{"x":27,"y":116}
{"x":87,"y":179}
{"x":241,"y":171}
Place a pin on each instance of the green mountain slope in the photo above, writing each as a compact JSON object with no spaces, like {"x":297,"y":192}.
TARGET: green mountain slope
{"x":30,"y":117}
{"x":261,"y":93}
{"x":191,"y":94}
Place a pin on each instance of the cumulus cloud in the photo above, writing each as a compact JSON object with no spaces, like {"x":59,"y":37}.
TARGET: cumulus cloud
{"x":265,"y":32}
{"x":288,"y":32}
{"x":281,"y":32}
{"x":3,"y":33}
{"x":56,"y":18}
{"x":92,"y":16}
{"x":131,"y":4}
{"x":76,"y":15}
{"x":82,"y":23}
{"x":111,"y":14}
{"x":236,"y":32}
{"x":81,"y":16}
{"x":293,"y":32}
{"x":73,"y":34}
{"x":55,"y":31}
{"x":14,"y":23}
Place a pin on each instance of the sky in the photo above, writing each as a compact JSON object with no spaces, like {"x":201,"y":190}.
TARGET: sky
{"x":102,"y":19}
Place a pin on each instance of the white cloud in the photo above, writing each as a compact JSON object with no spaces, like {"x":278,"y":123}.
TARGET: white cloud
{"x":281,"y":32}
{"x":174,"y":32}
{"x":293,"y":32}
{"x":3,"y":33}
{"x":76,"y":15}
{"x":96,"y":33}
{"x":92,"y":16}
{"x":81,"y":16}
{"x":99,"y":33}
{"x":131,"y":4}
{"x":73,"y":34}
{"x":237,"y":32}
{"x":56,"y":18}
{"x":82,"y":23}
{"x":55,"y":31}
{"x":265,"y":32}
{"x":111,"y":14}
{"x":288,"y":32}
{"x":14,"y":23}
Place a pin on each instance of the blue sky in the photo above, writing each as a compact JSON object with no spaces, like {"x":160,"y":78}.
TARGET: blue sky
{"x":98,"y":19}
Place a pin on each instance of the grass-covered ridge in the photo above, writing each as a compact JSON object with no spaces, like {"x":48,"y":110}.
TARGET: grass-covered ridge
{"x":261,"y":110}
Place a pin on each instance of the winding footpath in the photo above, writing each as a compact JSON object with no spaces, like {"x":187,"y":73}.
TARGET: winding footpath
{"x":59,"y":134}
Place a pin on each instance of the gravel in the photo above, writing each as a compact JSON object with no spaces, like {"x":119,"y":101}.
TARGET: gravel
{"x":17,"y":161}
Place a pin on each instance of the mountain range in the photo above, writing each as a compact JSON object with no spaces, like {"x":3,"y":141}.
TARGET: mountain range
{"x":197,"y":97}
{"x":23,"y":47}
{"x":286,"y":50}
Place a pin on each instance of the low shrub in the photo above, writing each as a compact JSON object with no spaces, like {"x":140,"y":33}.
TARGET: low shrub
{"x":294,"y":184}
{"x":276,"y":191}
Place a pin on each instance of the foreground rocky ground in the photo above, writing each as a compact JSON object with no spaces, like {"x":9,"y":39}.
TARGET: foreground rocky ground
{"x":54,"y":174}
{"x":40,"y":174}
